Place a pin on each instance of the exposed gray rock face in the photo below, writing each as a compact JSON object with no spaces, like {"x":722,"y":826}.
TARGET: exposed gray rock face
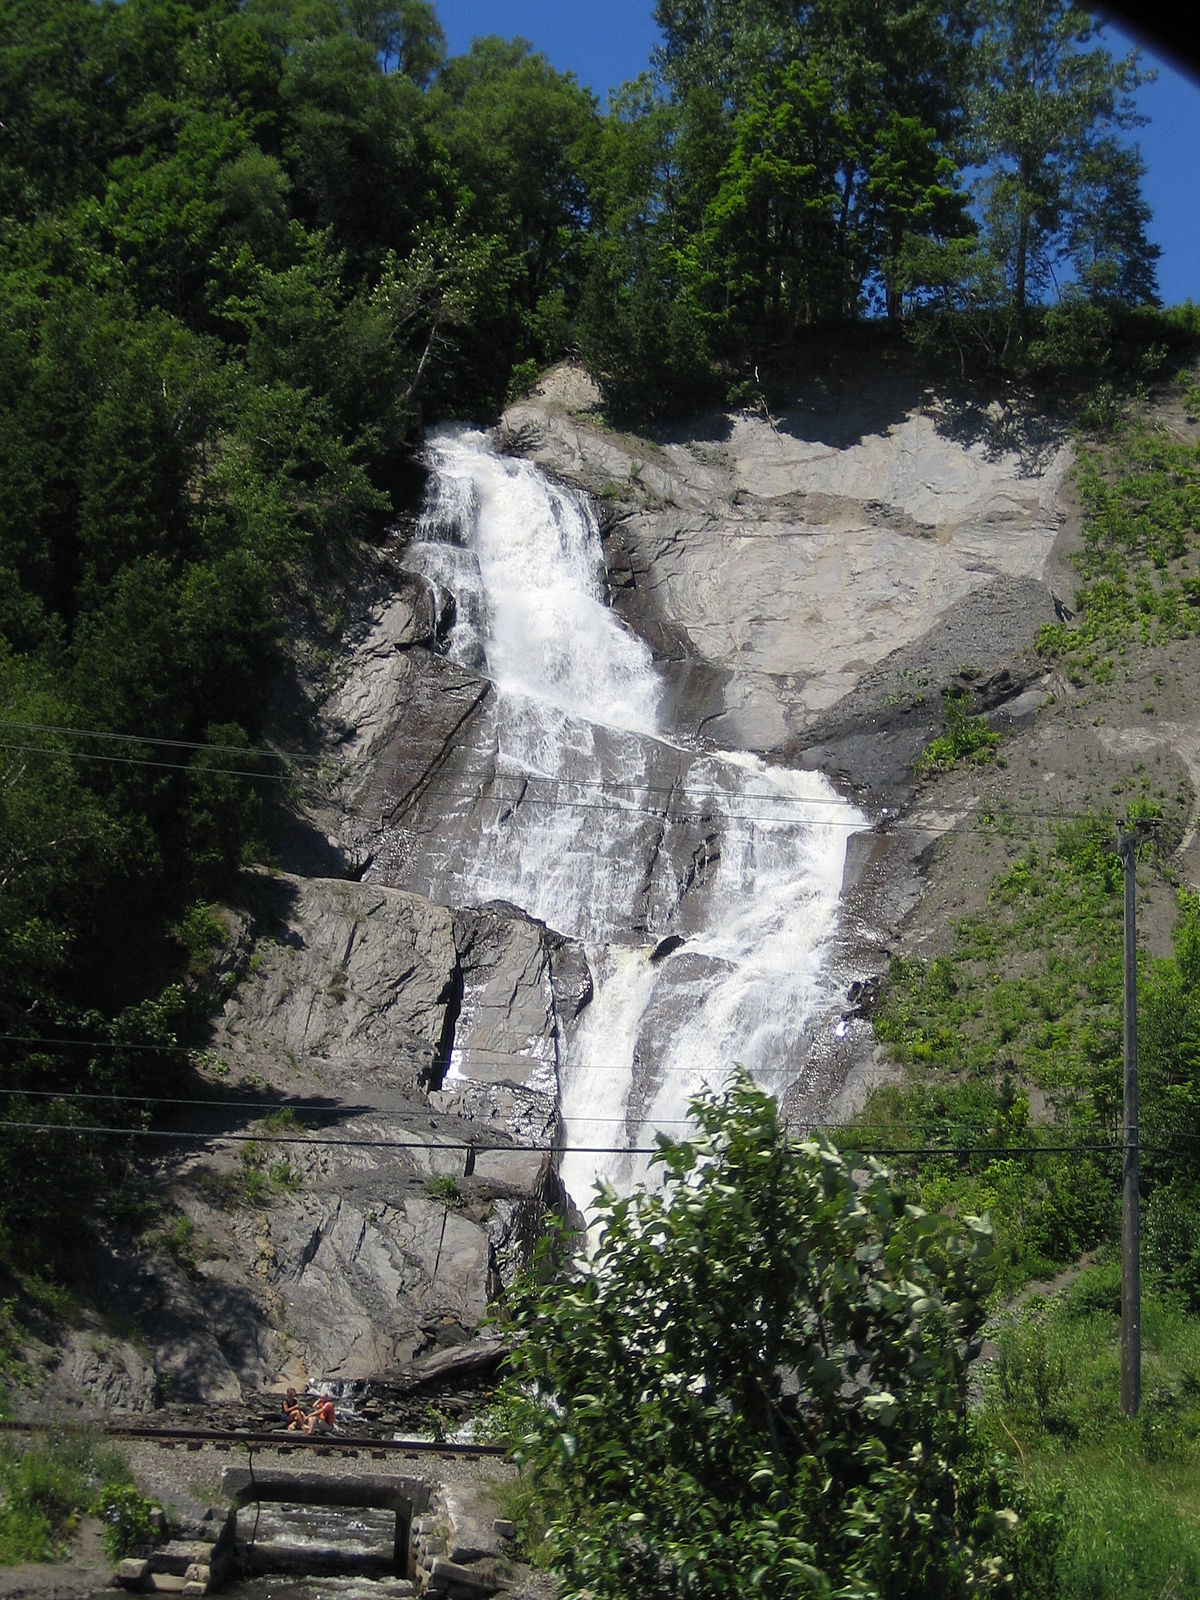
{"x":776,"y":562}
{"x":810,"y":583}
{"x":354,"y":980}
{"x":431,"y":1039}
{"x":420,"y":1047}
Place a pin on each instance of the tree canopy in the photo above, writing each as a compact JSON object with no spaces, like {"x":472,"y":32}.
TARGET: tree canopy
{"x":758,"y":1382}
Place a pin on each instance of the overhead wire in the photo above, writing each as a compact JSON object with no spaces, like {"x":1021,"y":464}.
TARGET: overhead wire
{"x":481,"y":1147}
{"x":297,"y":756}
{"x":328,"y":1108}
{"x":725,"y":808}
{"x":788,"y":1077}
{"x":161,"y":766}
{"x":791,"y":806}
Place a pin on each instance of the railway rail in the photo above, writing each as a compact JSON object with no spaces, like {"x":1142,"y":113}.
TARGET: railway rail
{"x":265,"y":1439}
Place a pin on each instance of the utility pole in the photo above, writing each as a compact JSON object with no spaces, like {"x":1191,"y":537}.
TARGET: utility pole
{"x":1131,"y":1289}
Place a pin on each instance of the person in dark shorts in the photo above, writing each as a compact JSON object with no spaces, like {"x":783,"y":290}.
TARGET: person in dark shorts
{"x":293,"y":1411}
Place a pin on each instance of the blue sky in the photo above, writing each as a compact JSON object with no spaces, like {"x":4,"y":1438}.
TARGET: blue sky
{"x":606,"y":42}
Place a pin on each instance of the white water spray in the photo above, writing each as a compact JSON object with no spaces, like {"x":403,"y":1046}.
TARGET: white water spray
{"x":601,"y":797}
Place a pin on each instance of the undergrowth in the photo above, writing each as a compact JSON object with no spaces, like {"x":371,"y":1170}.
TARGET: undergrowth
{"x":966,"y":738}
{"x":1012,"y":1041}
{"x":49,"y":1482}
{"x":1126,"y":1491}
{"x":1140,"y":493}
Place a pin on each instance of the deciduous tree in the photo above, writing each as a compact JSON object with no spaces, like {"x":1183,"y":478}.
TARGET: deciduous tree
{"x":758,"y":1384}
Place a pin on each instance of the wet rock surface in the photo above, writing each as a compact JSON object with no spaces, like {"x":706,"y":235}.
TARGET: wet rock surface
{"x":812,"y":583}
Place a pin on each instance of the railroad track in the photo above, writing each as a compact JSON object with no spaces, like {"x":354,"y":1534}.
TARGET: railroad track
{"x":266,"y":1439}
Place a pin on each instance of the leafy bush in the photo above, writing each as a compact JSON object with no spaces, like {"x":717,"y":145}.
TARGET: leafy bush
{"x":966,"y":738}
{"x":759,"y":1381}
{"x":127,"y":1516}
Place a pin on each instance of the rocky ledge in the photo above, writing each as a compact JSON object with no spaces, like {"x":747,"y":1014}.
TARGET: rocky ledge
{"x":382,"y":1076}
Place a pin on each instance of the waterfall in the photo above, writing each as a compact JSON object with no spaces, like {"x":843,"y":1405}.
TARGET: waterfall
{"x":604,"y":824}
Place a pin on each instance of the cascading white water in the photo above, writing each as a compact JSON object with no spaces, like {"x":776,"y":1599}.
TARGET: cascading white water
{"x":595,"y":785}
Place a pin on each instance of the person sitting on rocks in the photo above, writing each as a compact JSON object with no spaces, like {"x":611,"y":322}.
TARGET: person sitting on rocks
{"x":320,"y":1418}
{"x":293,"y":1411}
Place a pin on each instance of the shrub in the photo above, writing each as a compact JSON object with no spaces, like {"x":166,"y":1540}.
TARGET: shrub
{"x":965,"y":738}
{"x":128,"y":1519}
{"x":758,"y":1384}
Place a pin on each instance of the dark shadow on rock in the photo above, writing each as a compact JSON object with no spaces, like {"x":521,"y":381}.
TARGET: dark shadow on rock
{"x":709,"y":427}
{"x":841,"y":408}
{"x":185,"y":1319}
{"x":1002,"y":423}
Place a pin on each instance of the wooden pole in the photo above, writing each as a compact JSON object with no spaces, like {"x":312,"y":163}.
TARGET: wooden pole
{"x":1131,"y":1290}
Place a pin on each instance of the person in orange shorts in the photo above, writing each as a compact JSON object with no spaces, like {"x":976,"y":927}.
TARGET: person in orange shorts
{"x":320,"y":1418}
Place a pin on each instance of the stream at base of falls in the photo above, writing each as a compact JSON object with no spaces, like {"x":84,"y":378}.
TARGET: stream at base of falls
{"x":703,"y":885}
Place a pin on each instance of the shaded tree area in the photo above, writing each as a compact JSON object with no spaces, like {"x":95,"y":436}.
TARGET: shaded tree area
{"x":247,"y":249}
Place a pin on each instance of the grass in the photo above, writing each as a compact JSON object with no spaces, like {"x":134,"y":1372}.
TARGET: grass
{"x":443,"y":1187}
{"x":1140,"y":495}
{"x":1126,"y":1491}
{"x":525,"y":1501}
{"x":48,"y":1483}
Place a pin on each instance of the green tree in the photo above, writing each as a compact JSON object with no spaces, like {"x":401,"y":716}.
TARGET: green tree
{"x":912,"y":191}
{"x":723,"y":45}
{"x":758,"y":1384}
{"x":520,"y":134}
{"x":772,"y":245}
{"x":406,"y":38}
{"x":844,"y":120}
{"x":1047,"y":106}
{"x":641,"y":324}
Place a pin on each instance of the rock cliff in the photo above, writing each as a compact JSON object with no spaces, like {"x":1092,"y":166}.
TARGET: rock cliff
{"x":810,"y":582}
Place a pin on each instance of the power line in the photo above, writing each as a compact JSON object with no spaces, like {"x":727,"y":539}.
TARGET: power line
{"x":167,"y":744}
{"x":788,"y":1076}
{"x":137,"y":761}
{"x":333,"y":1109}
{"x":481,"y":1148}
{"x":537,"y":781}
{"x":722,"y":812}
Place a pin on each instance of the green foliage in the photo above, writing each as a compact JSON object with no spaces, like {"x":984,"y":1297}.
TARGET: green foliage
{"x":965,"y":739}
{"x":201,"y":931}
{"x":1027,"y":996}
{"x":256,"y":1185}
{"x":1140,"y":492}
{"x":126,"y":1515}
{"x":1048,"y":104}
{"x":46,"y":1484}
{"x":284,"y":1120}
{"x":443,"y":1187}
{"x":1123,"y":1491}
{"x":178,"y":1239}
{"x":245,"y":246}
{"x":761,"y":1377}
